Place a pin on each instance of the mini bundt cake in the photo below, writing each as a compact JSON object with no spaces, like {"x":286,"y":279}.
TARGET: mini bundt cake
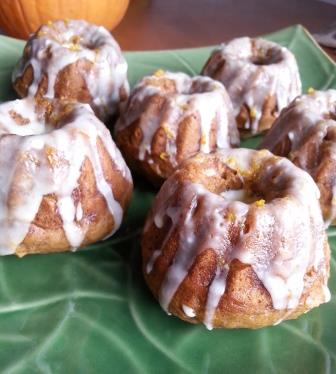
{"x":261,"y":78}
{"x":305,"y":132}
{"x":236,"y":239}
{"x":64,"y":183}
{"x":170,"y":117}
{"x":74,"y":60}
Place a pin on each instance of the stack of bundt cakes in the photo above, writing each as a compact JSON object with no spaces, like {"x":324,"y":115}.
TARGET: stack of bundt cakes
{"x":235,"y":237}
{"x":64,"y":181}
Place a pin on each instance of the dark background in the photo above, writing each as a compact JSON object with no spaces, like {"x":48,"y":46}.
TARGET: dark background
{"x":164,"y":24}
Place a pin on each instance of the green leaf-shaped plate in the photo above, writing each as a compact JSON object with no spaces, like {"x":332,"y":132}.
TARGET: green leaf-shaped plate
{"x":91,"y":312}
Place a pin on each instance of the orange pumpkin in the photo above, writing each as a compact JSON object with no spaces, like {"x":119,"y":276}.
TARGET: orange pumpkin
{"x":19,"y":18}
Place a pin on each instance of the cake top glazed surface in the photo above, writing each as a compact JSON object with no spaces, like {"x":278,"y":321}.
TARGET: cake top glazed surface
{"x":184,"y":96}
{"x":274,"y":207}
{"x":254,"y":70}
{"x":59,"y":44}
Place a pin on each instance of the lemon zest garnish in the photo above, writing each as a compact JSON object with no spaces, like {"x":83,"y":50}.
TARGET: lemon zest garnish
{"x":74,"y":47}
{"x":311,"y":91}
{"x":198,"y":157}
{"x":263,"y":152}
{"x":169,"y":133}
{"x":163,"y":156}
{"x":183,"y":106}
{"x":41,"y":34}
{"x":231,"y":216}
{"x":231,"y":161}
{"x":54,"y":158}
{"x":51,"y":154}
{"x":159,"y":73}
{"x":203,"y":139}
{"x":253,"y":112}
{"x":260,"y":203}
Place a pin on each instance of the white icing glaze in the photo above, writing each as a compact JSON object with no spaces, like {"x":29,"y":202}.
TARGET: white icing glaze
{"x":35,"y":163}
{"x":150,"y":263}
{"x":280,"y":258}
{"x":308,"y":119}
{"x":238,"y":195}
{"x":67,"y":211}
{"x":216,"y":291}
{"x":199,"y":96}
{"x":252,"y":83}
{"x":62,"y":43}
{"x":178,"y":271}
{"x":189,"y":312}
{"x":327,"y":293}
{"x":286,"y":315}
{"x":79,"y":212}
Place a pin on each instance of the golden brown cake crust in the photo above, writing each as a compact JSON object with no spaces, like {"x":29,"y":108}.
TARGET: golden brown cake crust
{"x":175,"y":220}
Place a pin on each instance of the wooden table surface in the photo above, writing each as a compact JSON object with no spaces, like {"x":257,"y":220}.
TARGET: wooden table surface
{"x":165,"y":24}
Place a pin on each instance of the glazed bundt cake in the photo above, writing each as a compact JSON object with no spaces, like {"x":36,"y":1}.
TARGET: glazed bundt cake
{"x":305,"y":132}
{"x":74,"y":60}
{"x":261,"y":78}
{"x":64,"y":184}
{"x":171,"y":116}
{"x":235,"y":239}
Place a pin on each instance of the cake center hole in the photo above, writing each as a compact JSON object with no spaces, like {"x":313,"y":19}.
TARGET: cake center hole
{"x":91,"y":45}
{"x":197,"y":87}
{"x":77,"y":42}
{"x":266,"y":57}
{"x":242,"y":195}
